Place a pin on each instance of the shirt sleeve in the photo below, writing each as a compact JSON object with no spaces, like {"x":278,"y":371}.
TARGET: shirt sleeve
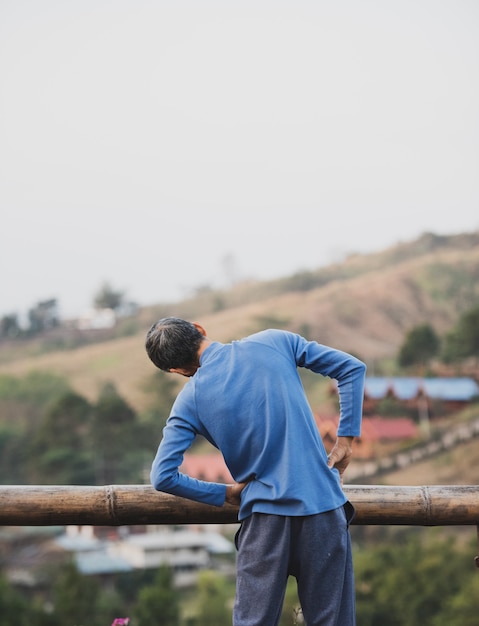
{"x":178,"y":435}
{"x":347,"y":370}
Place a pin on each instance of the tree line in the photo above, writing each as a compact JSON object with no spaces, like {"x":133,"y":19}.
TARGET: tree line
{"x":44,"y":315}
{"x":422,"y":343}
{"x":50,"y":434}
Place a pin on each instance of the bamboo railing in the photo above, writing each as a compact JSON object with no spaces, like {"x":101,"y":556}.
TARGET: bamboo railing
{"x":124,"y":505}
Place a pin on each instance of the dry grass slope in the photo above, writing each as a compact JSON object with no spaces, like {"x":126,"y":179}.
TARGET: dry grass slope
{"x":366,"y":305}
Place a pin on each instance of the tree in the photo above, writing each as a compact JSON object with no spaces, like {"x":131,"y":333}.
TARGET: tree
{"x":9,"y":326}
{"x":108,"y":298}
{"x":116,"y":437}
{"x":158,"y":604}
{"x":212,"y":600}
{"x":412,"y":583}
{"x":59,"y":449}
{"x":162,"y":391}
{"x":43,"y":316}
{"x":463,"y":608}
{"x":14,"y":609}
{"x":420,"y":345}
{"x":37,"y":388}
{"x":76,"y":598}
{"x":463,"y":340}
{"x":23,"y":402}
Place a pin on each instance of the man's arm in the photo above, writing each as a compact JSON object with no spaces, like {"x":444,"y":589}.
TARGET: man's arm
{"x":347,"y":370}
{"x":178,"y":435}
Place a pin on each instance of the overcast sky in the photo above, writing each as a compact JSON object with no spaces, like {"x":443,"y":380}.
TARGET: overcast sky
{"x":165,"y":145}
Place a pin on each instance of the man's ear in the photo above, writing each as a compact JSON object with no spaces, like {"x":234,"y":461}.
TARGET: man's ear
{"x":200,"y":328}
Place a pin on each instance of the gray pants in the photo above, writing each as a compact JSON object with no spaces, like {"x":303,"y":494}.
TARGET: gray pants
{"x":315,"y":549}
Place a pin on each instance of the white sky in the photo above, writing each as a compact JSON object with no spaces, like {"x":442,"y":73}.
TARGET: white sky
{"x":143,"y":142}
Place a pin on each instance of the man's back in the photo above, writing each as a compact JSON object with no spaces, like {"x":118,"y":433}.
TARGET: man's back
{"x":247,"y":399}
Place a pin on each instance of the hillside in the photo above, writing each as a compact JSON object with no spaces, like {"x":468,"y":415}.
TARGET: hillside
{"x":364,"y":305}
{"x":459,"y":466}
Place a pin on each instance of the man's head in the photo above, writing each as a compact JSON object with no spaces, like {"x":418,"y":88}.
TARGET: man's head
{"x":173,"y":344}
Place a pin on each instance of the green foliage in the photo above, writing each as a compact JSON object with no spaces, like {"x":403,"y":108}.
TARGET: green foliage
{"x":13,"y":455}
{"x":80,"y":600}
{"x":271,"y":321}
{"x":454,"y":285}
{"x":392,"y":407}
{"x":43,"y":316}
{"x":128,"y":584}
{"x":65,"y":420}
{"x":158,"y":604}
{"x":23,"y":402}
{"x":75,"y":596}
{"x":114,"y":428}
{"x":291,"y":606}
{"x":108,"y":298}
{"x":463,"y":608}
{"x":162,"y":389}
{"x":58,"y":451}
{"x":304,"y":280}
{"x":212,"y":600}
{"x":14,"y":609}
{"x":412,"y":583}
{"x":52,"y":435}
{"x":9,"y":327}
{"x":463,"y":340}
{"x":420,"y":345}
{"x":36,"y":388}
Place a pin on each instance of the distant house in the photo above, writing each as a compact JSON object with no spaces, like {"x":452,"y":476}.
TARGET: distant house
{"x":97,"y":319}
{"x":451,"y":393}
{"x":375,"y":431}
{"x":185,"y":551}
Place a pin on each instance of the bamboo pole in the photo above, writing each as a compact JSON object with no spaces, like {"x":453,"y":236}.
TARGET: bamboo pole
{"x":125,"y":505}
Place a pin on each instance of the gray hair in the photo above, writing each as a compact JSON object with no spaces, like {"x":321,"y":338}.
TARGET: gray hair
{"x":173,"y":343}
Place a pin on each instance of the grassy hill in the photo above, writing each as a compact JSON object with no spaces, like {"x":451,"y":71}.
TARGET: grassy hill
{"x":364,"y":305}
{"x":459,"y":466}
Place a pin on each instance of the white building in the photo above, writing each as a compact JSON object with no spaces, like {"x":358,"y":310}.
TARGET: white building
{"x":186,"y":551}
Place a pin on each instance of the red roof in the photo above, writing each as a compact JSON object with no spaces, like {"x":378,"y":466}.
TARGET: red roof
{"x":374,"y":428}
{"x":212,"y":467}
{"x":381,"y":429}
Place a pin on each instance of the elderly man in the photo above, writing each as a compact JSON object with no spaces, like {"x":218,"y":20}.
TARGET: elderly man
{"x":246,"y":398}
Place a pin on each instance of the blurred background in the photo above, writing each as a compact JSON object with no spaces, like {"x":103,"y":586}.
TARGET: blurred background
{"x":303,"y":165}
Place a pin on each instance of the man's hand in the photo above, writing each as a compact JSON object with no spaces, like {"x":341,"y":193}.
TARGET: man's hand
{"x":341,"y":454}
{"x":233,"y":493}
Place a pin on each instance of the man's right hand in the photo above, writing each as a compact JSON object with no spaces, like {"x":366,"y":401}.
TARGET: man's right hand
{"x":233,"y":493}
{"x":340,"y":455}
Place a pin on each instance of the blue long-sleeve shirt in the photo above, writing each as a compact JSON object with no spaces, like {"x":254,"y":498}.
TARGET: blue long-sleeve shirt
{"x":247,"y":399}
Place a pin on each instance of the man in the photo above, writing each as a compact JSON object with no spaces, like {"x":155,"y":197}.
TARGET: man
{"x":246,"y":398}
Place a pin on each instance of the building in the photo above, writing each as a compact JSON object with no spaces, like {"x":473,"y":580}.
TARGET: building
{"x":186,"y":551}
{"x":377,"y":434}
{"x":440,"y":395}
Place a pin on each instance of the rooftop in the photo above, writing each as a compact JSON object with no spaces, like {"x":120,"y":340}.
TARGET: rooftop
{"x":407,"y":388}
